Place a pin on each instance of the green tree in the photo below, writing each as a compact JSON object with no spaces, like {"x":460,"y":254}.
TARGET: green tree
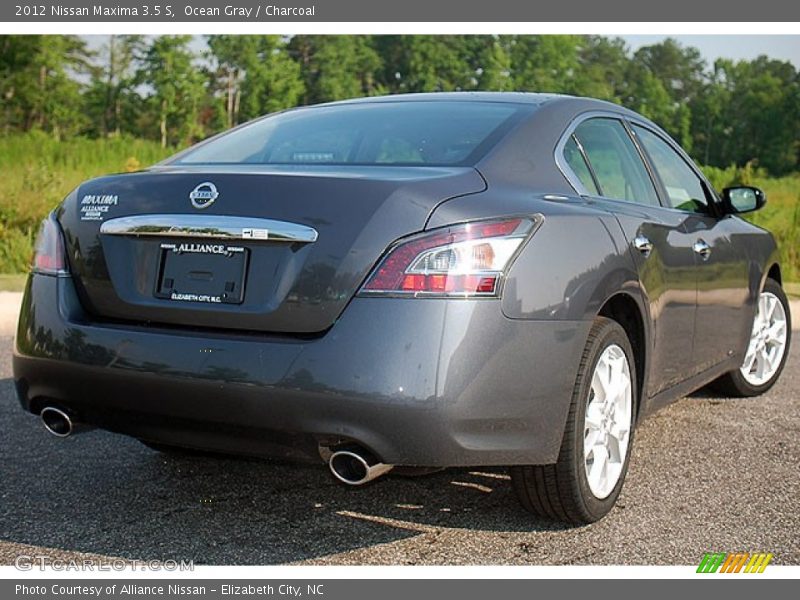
{"x":647,"y":95}
{"x":336,"y":67}
{"x":546,"y":63}
{"x":254,"y":75}
{"x":745,"y":112}
{"x":760,"y":118}
{"x":177,"y":88}
{"x":273,"y":81}
{"x":681,"y":73}
{"x":603,"y":64}
{"x":231,"y":54}
{"x":41,"y":88}
{"x":709,"y":137}
{"x":111,"y":99}
{"x":17,"y":78}
{"x":495,"y":69}
{"x":680,"y":69}
{"x":431,"y":63}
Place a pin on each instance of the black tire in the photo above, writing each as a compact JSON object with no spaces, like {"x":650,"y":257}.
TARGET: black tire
{"x":561,"y":491}
{"x":733,"y":384}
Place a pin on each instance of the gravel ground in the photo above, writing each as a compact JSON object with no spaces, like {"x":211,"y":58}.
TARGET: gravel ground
{"x":707,"y":473}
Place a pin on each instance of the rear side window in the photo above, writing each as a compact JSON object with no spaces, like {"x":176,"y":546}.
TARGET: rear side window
{"x":615,"y":161}
{"x":437,"y":133}
{"x":577,"y":163}
{"x":684,"y":189}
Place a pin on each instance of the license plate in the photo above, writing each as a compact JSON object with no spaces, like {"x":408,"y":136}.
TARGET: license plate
{"x":202,"y":272}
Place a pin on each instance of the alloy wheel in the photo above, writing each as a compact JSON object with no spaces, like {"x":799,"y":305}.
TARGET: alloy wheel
{"x":767,"y":341}
{"x":607,"y":425}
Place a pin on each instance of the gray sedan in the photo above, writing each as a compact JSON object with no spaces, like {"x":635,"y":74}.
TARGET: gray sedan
{"x":403,"y":284}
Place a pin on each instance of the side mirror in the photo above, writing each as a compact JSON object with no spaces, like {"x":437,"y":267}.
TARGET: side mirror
{"x":742,"y":199}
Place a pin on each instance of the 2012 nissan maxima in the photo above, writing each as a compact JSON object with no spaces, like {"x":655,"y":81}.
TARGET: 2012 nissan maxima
{"x":425,"y":281}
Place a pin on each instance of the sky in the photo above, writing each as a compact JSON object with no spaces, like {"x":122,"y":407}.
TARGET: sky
{"x":737,"y":47}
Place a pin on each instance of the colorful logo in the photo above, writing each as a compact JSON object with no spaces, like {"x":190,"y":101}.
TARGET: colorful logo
{"x":734,"y":562}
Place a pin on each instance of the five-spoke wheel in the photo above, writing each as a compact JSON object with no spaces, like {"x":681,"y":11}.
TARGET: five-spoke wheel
{"x":768,"y":347}
{"x":607,"y":424}
{"x":586,"y":480}
{"x":767,"y":340}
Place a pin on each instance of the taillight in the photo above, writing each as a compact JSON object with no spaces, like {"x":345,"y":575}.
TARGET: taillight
{"x":463,"y":260}
{"x":48,"y":252}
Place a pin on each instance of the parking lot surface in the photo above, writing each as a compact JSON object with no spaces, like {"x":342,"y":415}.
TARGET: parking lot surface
{"x":707,"y":473}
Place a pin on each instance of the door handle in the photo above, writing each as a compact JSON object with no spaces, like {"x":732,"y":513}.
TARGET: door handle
{"x":643,"y":245}
{"x":702,"y":248}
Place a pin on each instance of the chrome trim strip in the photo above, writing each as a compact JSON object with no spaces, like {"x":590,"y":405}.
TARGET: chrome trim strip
{"x":210,"y":226}
{"x":627,"y":120}
{"x":570,"y":175}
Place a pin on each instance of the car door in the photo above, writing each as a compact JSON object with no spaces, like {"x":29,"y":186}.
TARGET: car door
{"x":606,"y":165}
{"x":723,"y":296}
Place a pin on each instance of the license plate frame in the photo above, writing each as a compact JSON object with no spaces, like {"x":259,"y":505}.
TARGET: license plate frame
{"x":200,"y":272}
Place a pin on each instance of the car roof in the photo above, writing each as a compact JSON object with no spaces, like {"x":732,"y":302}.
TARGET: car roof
{"x":509,"y":97}
{"x":536,"y":99}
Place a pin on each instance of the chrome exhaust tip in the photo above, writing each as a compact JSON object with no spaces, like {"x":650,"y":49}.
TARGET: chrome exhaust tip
{"x":60,"y":423}
{"x":56,"y":421}
{"x":355,"y":466}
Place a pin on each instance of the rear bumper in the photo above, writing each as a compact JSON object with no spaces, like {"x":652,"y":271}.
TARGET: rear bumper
{"x":418,"y":382}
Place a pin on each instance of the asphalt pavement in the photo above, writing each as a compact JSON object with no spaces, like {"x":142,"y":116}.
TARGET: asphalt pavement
{"x":707,"y":474}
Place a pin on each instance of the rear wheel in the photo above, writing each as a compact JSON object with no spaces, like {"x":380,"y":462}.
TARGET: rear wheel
{"x":584,"y":484}
{"x":768,"y":347}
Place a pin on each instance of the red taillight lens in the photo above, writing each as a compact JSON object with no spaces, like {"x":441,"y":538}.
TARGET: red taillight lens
{"x":463,"y":260}
{"x":48,"y":253}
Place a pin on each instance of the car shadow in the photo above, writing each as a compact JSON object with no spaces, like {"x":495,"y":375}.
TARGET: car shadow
{"x":107,"y":494}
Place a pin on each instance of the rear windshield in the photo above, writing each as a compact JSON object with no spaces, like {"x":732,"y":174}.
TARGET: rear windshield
{"x":437,"y":133}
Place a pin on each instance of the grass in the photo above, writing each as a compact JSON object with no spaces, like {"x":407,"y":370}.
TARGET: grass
{"x":781,"y":215}
{"x":13,"y":283}
{"x":38,"y":171}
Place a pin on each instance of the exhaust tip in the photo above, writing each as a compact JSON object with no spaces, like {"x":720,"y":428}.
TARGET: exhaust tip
{"x":355,"y":467}
{"x":348,"y":467}
{"x":56,"y":421}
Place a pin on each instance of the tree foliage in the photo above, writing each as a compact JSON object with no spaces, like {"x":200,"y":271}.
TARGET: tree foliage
{"x":173,"y":90}
{"x":39,"y":83}
{"x":111,"y":101}
{"x":254,"y":75}
{"x":335,"y":67}
{"x":176,"y":88}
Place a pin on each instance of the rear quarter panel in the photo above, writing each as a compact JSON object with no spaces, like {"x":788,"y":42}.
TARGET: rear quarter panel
{"x":576,"y":260}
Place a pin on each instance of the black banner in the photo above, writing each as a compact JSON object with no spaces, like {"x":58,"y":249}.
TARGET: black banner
{"x":347,"y":589}
{"x":256,"y":11}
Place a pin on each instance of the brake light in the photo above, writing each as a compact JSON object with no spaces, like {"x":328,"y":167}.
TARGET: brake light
{"x":463,"y":260}
{"x":48,"y":252}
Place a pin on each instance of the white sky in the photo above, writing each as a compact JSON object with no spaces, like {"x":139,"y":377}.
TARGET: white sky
{"x":737,"y":47}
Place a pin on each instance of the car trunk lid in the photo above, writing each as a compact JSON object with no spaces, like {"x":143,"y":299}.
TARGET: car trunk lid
{"x":305,"y":238}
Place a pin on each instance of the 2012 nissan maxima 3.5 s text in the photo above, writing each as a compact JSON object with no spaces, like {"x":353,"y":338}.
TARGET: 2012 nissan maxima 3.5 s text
{"x":418,"y":281}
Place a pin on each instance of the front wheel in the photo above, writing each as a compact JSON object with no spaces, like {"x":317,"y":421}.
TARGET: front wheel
{"x":767,"y":349}
{"x":584,"y":484}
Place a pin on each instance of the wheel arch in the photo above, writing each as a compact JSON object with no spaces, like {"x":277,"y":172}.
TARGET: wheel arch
{"x":626,"y":310}
{"x":774,"y":272}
